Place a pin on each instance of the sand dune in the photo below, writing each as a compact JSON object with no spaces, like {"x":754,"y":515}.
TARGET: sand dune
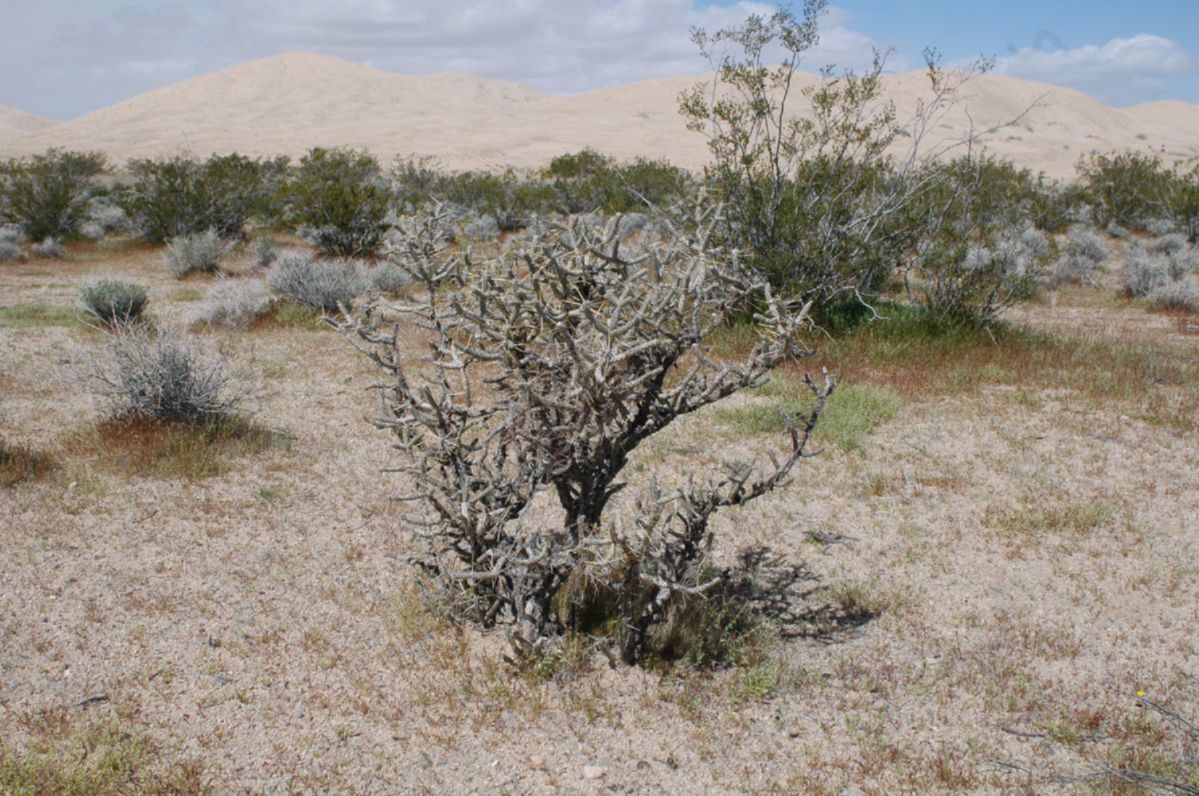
{"x":288,"y":103}
{"x":15,"y":123}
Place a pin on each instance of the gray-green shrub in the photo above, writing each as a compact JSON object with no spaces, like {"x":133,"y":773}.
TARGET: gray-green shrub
{"x":1154,"y":267}
{"x":320,"y":284}
{"x":197,"y":253}
{"x":233,"y":303}
{"x":385,"y":278}
{"x":49,"y":249}
{"x":111,"y":301}
{"x":156,"y":373}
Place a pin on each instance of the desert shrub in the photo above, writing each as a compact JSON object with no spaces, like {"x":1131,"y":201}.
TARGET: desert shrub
{"x":110,"y":301}
{"x":1125,"y":190}
{"x":10,"y":251}
{"x":110,"y":218}
{"x":265,"y":254}
{"x":343,"y":198}
{"x":387,"y":278}
{"x":1082,"y":255}
{"x":482,"y":229}
{"x":416,"y":182}
{"x":818,"y":203}
{"x":1150,"y":267}
{"x":976,"y":281}
{"x":319,"y":284}
{"x":511,"y":201}
{"x":233,"y":303}
{"x":1180,"y":203}
{"x":585,"y":354}
{"x":49,"y":249}
{"x":195,"y":253}
{"x":182,"y":196}
{"x":1178,"y":294}
{"x":48,"y":194}
{"x":970,"y":261}
{"x":588,"y":181}
{"x":157,"y":374}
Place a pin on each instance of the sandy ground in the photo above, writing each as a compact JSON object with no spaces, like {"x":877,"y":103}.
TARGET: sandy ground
{"x":264,"y":623}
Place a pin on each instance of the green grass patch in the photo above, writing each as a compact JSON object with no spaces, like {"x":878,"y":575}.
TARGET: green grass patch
{"x":186,"y":294}
{"x":919,"y":357}
{"x":37,"y":316}
{"x":160,"y":449}
{"x":853,"y":411}
{"x":287,"y":315}
{"x":100,"y":759}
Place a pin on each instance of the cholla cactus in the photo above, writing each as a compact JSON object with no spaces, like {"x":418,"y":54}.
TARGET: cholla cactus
{"x":549,"y":366}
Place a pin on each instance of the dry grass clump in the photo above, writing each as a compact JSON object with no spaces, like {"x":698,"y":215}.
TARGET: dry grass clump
{"x":111,"y":301}
{"x":199,"y":253}
{"x":20,"y":463}
{"x":154,"y":448}
{"x":233,"y":303}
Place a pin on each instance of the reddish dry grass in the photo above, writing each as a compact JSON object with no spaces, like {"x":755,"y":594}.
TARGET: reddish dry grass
{"x":142,"y":446}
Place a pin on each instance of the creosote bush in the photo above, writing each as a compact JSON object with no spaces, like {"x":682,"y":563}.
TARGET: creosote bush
{"x":197,"y":253}
{"x":111,"y":301}
{"x":341,"y":197}
{"x":319,"y":284}
{"x":48,"y":195}
{"x":181,"y":196}
{"x":549,"y":365}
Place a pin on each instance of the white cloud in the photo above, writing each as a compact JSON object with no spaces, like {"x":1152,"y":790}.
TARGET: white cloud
{"x":557,"y":45}
{"x":1119,"y":71}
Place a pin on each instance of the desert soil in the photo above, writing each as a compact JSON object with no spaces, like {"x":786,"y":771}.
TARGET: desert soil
{"x":264,"y":623}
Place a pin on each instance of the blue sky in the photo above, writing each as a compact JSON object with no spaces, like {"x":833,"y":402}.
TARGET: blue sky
{"x":64,"y":58}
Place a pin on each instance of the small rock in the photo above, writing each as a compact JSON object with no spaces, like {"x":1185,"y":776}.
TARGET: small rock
{"x":592,"y":772}
{"x":537,"y":761}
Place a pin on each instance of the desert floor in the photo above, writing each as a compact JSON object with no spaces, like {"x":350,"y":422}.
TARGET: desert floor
{"x":982,"y":587}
